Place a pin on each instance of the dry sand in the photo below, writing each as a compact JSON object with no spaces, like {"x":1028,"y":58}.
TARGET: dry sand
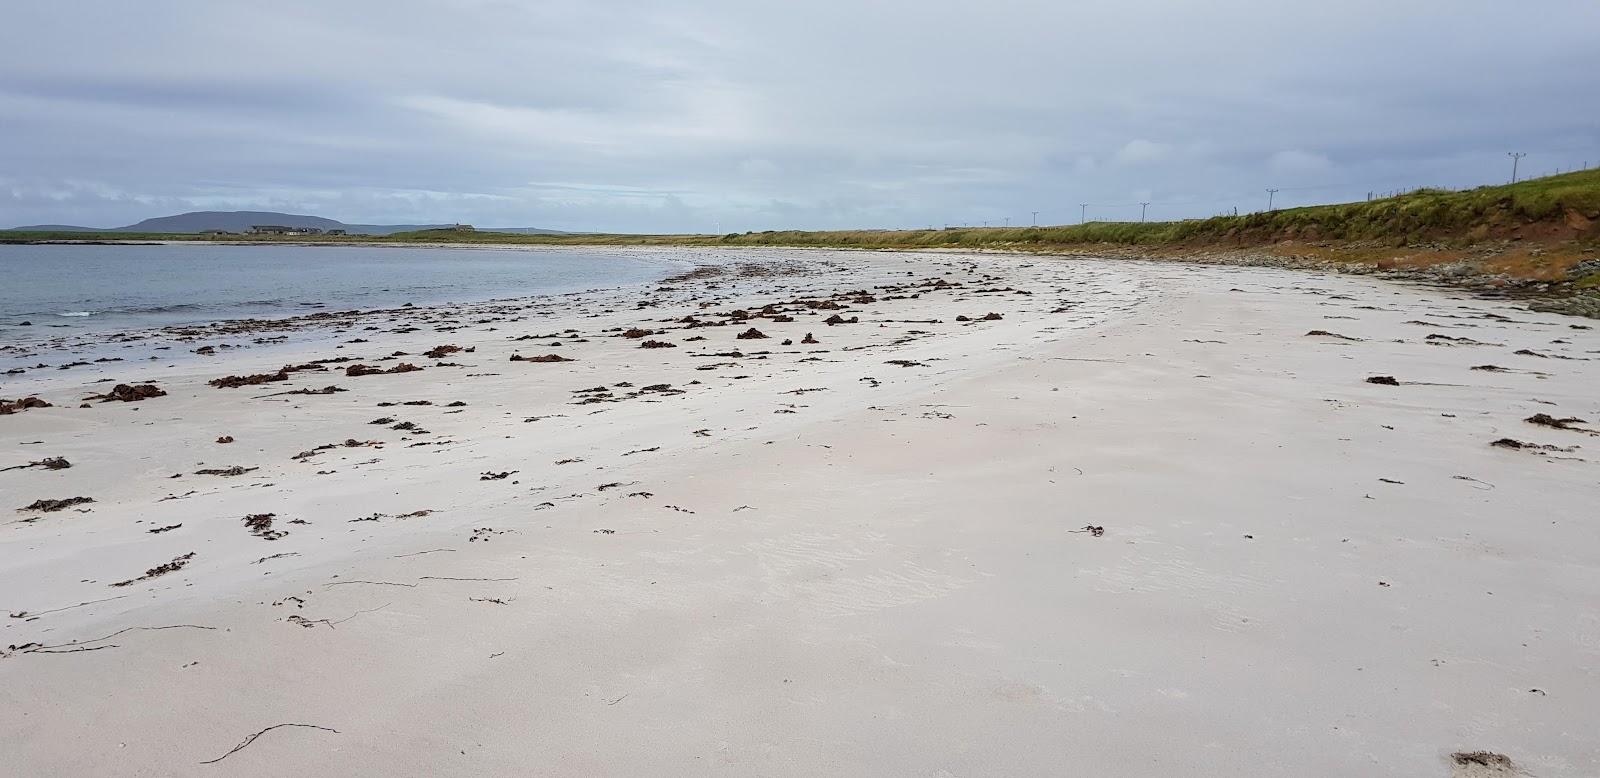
{"x":815,"y":561}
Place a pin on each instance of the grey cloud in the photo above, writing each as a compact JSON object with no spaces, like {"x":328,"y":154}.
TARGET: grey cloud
{"x":679,"y":115}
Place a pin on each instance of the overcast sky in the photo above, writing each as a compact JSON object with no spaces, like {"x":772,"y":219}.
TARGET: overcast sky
{"x":687,"y":115}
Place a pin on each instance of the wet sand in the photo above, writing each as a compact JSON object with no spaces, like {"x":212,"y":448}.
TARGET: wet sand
{"x":1139,"y":523}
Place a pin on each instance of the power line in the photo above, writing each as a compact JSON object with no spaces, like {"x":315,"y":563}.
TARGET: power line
{"x":1233,"y":197}
{"x":1390,"y":188}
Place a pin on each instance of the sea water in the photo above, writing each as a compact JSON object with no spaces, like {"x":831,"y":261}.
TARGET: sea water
{"x":66,"y":289}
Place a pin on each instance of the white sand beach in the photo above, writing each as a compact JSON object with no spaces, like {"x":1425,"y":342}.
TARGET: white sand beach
{"x":1140,"y":523}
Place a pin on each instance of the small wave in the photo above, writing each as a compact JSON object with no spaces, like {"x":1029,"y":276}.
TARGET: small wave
{"x":172,"y":308}
{"x":197,"y":307}
{"x":76,"y":313}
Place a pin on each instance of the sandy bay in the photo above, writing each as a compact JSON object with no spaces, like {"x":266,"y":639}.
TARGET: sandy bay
{"x":1140,"y":523}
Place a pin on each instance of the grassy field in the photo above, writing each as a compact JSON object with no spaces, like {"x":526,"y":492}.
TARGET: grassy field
{"x":1569,"y":205}
{"x":1551,"y":209}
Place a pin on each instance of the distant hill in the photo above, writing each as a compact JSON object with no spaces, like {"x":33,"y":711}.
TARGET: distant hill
{"x":54,"y":228}
{"x":242,"y":221}
{"x":520,"y":230}
{"x":231,"y":221}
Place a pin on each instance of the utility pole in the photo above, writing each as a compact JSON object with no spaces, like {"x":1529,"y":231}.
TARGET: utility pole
{"x":1083,"y":213}
{"x":1142,"y":208}
{"x":1036,"y":213}
{"x":1516,"y":156}
{"x":1270,"y":193}
{"x":1008,"y":221}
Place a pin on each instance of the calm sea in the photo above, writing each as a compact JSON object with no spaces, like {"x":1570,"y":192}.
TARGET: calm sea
{"x":63,"y":289}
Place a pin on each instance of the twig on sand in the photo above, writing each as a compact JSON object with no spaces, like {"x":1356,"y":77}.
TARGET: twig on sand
{"x":358,"y":613}
{"x":31,"y":614}
{"x":276,"y":556}
{"x":373,"y":583}
{"x":70,"y":650}
{"x":309,"y":623}
{"x":77,"y":643}
{"x":247,"y":741}
{"x":420,"y":553}
{"x":448,"y":578}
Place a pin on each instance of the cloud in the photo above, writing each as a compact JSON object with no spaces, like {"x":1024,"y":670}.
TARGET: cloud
{"x":674,"y":114}
{"x":1139,"y":151}
{"x":759,"y":168}
{"x":1294,"y":161}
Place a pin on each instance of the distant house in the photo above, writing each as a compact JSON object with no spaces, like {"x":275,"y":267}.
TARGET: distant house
{"x":278,"y":229}
{"x":334,"y":232}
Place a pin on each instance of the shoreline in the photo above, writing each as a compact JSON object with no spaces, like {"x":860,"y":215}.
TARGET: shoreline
{"x":1522,"y":277}
{"x":872,"y":553}
{"x":106,"y":335}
